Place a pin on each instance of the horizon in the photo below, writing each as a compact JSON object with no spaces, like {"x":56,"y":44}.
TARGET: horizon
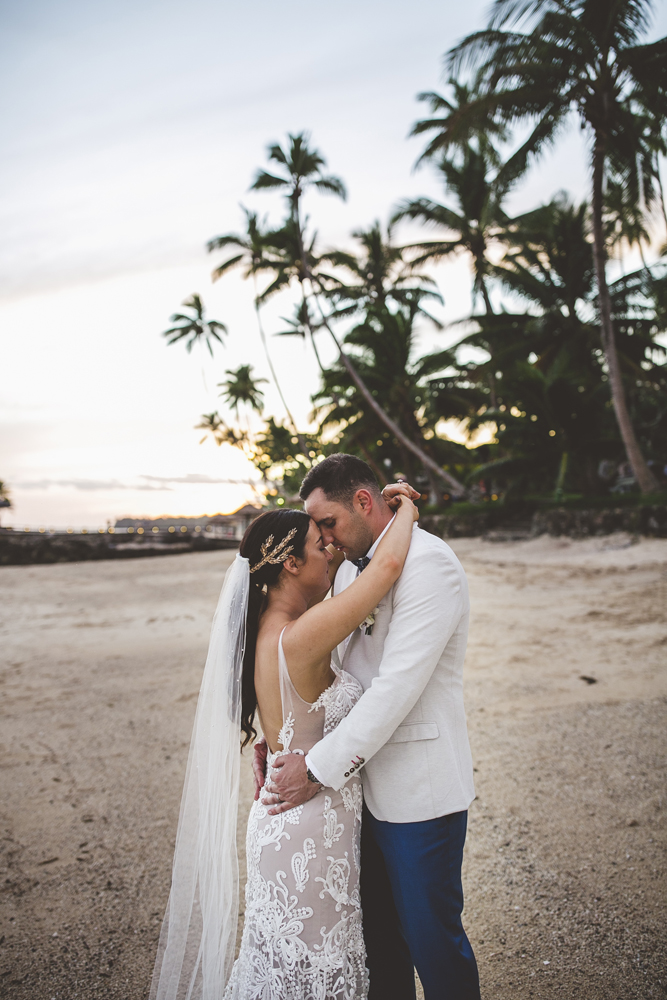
{"x":44,"y":527}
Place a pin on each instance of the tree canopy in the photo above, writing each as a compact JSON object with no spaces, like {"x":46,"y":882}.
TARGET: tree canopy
{"x":555,"y":382}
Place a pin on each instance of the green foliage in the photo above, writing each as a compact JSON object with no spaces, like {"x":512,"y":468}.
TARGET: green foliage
{"x":378,"y":277}
{"x":585,"y":58}
{"x":565,"y":368}
{"x":478,"y":219}
{"x":242,"y":389}
{"x":545,"y":378}
{"x":5,"y":495}
{"x":301,"y":168}
{"x":278,"y":456}
{"x":383,"y":348}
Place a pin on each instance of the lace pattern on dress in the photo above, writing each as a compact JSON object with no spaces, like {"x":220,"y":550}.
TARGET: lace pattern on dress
{"x":338,"y":699}
{"x":302,"y":937}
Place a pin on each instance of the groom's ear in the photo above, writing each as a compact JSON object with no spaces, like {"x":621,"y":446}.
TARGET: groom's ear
{"x":364,"y":500}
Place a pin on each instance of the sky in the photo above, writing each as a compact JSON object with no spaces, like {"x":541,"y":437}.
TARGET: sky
{"x":131,"y":135}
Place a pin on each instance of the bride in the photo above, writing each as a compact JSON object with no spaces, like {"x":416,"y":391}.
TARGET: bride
{"x":270,"y":656}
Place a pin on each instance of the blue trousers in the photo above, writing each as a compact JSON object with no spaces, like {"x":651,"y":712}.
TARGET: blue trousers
{"x":412,"y":900}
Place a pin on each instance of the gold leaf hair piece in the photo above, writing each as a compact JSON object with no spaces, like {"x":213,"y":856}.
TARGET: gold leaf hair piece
{"x":277,"y":555}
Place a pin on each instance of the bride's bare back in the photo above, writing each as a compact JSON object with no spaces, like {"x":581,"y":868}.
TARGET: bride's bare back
{"x":313,"y":627}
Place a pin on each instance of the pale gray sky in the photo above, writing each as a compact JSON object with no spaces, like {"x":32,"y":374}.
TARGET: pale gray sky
{"x":131,"y":133}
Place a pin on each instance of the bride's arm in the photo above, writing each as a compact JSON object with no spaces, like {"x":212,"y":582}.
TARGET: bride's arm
{"x":316,"y":633}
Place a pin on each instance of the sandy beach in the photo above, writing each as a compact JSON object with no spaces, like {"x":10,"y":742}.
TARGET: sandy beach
{"x":566,"y":692}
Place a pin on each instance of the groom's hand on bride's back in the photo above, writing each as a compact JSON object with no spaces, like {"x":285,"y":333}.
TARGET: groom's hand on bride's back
{"x":290,"y":786}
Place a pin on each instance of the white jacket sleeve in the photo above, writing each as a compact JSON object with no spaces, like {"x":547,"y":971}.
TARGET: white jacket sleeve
{"x":429,"y":600}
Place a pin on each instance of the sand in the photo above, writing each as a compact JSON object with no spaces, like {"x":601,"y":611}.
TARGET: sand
{"x":564,"y":867}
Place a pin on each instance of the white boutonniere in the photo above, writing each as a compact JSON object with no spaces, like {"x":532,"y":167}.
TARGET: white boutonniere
{"x":369,"y":621}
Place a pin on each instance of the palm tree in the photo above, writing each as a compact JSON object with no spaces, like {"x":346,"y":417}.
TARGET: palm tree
{"x":384,"y":343}
{"x":550,"y":391}
{"x":303,"y":325}
{"x":196,"y":328}
{"x":464,"y":149}
{"x":253,"y":258}
{"x":380,"y":276}
{"x":479,"y":220}
{"x":215,"y":427}
{"x":242,"y":389}
{"x":552,"y":409}
{"x":625,"y":220}
{"x":549,"y":260}
{"x":276,"y":458}
{"x":5,"y":498}
{"x":453,"y":127}
{"x":303,"y":168}
{"x":407,"y":442}
{"x":580,"y":56}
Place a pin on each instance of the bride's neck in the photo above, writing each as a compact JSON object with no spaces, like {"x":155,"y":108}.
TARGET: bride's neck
{"x":288,"y":600}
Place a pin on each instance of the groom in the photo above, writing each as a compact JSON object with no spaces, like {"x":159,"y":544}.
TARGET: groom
{"x":407,"y":736}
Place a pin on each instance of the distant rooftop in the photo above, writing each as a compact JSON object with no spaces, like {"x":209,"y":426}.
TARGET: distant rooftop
{"x":237,"y":518}
{"x":248,"y":510}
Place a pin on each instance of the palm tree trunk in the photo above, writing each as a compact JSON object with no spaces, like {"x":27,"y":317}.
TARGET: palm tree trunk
{"x":390,"y":424}
{"x":373,"y":464}
{"x":660,"y":191}
{"x":492,"y":391}
{"x":489,"y":312}
{"x":560,"y":479}
{"x":317,"y":353}
{"x":426,"y":461}
{"x":644,"y":476}
{"x":485,"y":296}
{"x":310,"y":329}
{"x":297,"y":433}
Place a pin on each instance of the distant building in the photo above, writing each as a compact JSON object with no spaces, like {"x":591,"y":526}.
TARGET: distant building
{"x":228,"y":526}
{"x":164,"y":523}
{"x":232,"y":525}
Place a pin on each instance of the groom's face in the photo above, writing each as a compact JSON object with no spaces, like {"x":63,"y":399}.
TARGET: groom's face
{"x":347,"y":529}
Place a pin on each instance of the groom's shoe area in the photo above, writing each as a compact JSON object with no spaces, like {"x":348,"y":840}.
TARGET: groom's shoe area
{"x":412,"y":901}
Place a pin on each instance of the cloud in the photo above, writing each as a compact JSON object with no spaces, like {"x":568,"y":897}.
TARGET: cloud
{"x":196,"y":479}
{"x":154,"y":484}
{"x":88,"y":485}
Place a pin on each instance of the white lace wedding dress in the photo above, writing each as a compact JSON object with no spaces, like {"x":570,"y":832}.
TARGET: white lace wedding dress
{"x":302,"y":938}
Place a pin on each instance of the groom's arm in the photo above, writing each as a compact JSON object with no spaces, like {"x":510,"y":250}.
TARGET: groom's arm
{"x":429,"y":601}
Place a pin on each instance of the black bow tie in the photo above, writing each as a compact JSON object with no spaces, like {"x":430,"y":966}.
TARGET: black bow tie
{"x":362,"y":563}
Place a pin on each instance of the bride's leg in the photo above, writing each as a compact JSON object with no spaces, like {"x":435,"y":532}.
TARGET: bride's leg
{"x":392,"y":974}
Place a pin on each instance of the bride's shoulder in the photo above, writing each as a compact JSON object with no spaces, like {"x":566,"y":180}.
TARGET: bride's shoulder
{"x":268,"y":636}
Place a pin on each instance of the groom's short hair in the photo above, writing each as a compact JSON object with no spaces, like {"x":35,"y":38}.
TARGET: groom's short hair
{"x":339,"y":477}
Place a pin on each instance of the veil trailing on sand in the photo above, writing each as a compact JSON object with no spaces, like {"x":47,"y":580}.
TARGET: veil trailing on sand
{"x":198,"y":937}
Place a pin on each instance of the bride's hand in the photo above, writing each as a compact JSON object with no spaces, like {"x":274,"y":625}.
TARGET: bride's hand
{"x":391,"y":494}
{"x":404,"y":501}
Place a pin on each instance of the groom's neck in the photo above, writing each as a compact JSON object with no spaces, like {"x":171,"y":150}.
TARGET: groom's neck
{"x":381,"y":516}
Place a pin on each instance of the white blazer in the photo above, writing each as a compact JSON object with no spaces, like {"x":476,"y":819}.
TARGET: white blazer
{"x":408,"y":732}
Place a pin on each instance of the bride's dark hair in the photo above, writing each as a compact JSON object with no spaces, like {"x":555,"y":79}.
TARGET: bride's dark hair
{"x":278,"y":523}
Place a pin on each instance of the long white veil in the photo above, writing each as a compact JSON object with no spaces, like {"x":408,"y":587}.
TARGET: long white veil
{"x":198,"y":937}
